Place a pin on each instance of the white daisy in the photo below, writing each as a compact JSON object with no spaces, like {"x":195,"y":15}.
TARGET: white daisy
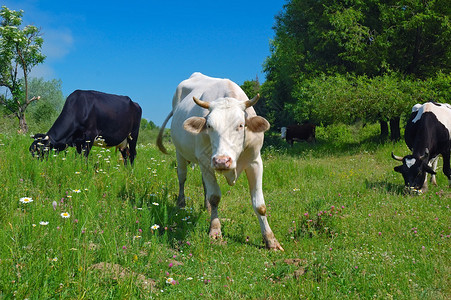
{"x":26,"y":200}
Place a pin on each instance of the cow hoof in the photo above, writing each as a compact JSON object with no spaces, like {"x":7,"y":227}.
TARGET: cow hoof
{"x":273,"y":244}
{"x":215,"y":234}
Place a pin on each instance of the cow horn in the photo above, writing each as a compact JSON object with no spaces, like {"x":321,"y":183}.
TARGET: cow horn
{"x":253,"y":101}
{"x":46,"y":138}
{"x":201,"y":103}
{"x":396,"y":157}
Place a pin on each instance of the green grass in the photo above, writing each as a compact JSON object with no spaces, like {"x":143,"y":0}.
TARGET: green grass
{"x":337,"y":207}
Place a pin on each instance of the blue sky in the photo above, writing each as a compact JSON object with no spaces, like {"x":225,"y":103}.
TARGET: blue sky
{"x":144,"y":49}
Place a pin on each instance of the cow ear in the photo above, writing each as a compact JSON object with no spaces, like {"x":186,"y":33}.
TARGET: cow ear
{"x":194,"y":124}
{"x":257,"y":124}
{"x":398,"y":169}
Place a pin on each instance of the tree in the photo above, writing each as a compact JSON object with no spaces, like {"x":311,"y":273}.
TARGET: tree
{"x":20,"y":52}
{"x":44,"y":112}
{"x":408,"y":40}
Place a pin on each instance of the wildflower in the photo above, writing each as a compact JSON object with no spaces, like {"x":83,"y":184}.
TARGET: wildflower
{"x":65,"y":215}
{"x":55,"y":259}
{"x":34,"y":225}
{"x":380,"y":233}
{"x":54,"y":204}
{"x":155,"y":227}
{"x":124,"y":247}
{"x":77,"y":173}
{"x":155,"y":203}
{"x":43,"y":223}
{"x":171,"y":280}
{"x":170,"y":265}
{"x":76,"y":191}
{"x":26,"y":200}
{"x":189,"y":278}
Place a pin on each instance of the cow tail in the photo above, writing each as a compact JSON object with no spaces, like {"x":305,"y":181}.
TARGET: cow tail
{"x":160,"y":134}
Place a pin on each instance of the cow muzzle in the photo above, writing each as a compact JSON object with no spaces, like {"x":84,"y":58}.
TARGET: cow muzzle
{"x":221,"y":162}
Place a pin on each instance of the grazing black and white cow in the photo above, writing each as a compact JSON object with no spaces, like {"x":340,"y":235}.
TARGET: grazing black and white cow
{"x":428,"y":135}
{"x":91,"y":118}
{"x":221,"y":132}
{"x":296,"y":132}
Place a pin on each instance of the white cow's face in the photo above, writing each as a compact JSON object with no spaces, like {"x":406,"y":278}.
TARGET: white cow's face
{"x":226,"y":126}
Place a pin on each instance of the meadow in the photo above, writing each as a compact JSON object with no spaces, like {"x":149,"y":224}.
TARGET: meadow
{"x":94,"y":229}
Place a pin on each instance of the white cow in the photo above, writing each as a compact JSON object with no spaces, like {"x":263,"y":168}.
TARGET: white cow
{"x":221,"y":132}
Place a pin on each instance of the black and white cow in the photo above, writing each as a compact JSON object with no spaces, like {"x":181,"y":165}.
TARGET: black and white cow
{"x":428,"y":135}
{"x":296,"y":132}
{"x":91,"y":118}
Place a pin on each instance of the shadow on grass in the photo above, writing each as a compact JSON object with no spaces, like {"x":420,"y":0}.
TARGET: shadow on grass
{"x":321,"y":148}
{"x":389,"y":187}
{"x":174,"y":223}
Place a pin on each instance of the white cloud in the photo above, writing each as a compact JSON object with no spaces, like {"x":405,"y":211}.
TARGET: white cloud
{"x":43,"y":70}
{"x":57,"y":43}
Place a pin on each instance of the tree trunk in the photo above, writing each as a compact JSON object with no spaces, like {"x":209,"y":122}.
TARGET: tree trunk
{"x":384,"y":129}
{"x":22,"y":123}
{"x":395,"y":132}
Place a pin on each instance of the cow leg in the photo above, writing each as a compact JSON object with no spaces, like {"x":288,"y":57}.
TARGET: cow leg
{"x":433,"y":164}
{"x":181,"y":174}
{"x":213,"y":196}
{"x":125,"y":155}
{"x":132,"y":149}
{"x":446,"y":166}
{"x":132,"y":140}
{"x":254,"y":176}
{"x":206,"y":202}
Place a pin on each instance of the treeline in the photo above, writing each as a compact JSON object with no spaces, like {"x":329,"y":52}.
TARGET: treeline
{"x":347,"y":61}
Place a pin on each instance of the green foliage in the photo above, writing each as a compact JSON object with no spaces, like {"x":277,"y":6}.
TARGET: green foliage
{"x":45,"y":111}
{"x":347,"y":99}
{"x":147,"y":124}
{"x":378,"y":44}
{"x":251,"y":88}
